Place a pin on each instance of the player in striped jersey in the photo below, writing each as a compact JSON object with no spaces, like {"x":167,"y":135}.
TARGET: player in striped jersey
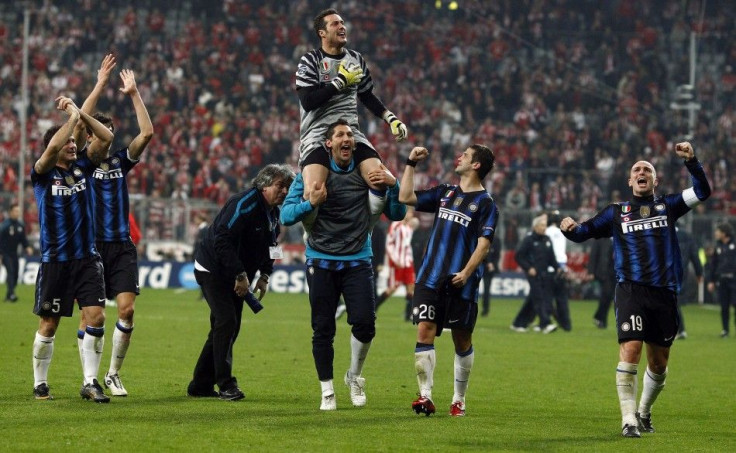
{"x":648,"y":274}
{"x":446,"y":293}
{"x":112,"y":228}
{"x":329,"y":82}
{"x":70,"y":264}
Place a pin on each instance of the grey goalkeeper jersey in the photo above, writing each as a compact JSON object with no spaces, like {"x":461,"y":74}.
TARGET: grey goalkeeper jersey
{"x":341,"y":225}
{"x":317,"y":68}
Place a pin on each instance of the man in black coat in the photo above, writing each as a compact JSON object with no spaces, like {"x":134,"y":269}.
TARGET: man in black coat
{"x":12,"y":234}
{"x":240,"y":242}
{"x":536,"y":257}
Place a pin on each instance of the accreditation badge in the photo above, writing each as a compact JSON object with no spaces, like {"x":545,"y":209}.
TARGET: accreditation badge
{"x":276,"y":252}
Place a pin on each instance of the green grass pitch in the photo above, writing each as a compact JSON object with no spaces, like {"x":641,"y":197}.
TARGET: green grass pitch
{"x":528,"y":392}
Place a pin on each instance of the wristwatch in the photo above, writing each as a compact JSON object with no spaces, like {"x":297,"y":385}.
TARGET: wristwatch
{"x":240,"y":277}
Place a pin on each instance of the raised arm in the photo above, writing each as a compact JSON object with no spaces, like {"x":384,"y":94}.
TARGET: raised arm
{"x":97,"y":149}
{"x":50,"y":156}
{"x":89,"y":105}
{"x":406,"y":193}
{"x":700,"y":191}
{"x":145,"y":126}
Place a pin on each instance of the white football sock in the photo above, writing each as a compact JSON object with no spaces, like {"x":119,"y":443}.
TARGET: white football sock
{"x":120,"y":343}
{"x":463,"y":366}
{"x":358,"y":353}
{"x":424,"y":361}
{"x":94,"y":340}
{"x":626,"y":385}
{"x":43,"y":351}
{"x":327,"y":387}
{"x":652,"y":385}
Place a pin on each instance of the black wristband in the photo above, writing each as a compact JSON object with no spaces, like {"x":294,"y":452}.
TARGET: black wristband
{"x":411,"y":163}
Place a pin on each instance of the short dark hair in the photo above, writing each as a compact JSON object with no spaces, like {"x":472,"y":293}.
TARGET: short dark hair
{"x":554,"y":217}
{"x":104,"y":119}
{"x":331,"y":128}
{"x":50,"y":132}
{"x":725,"y":228}
{"x":272,"y":172}
{"x":319,"y":20}
{"x":484,"y":156}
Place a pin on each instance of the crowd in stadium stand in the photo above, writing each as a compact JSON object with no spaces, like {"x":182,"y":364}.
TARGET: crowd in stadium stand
{"x":567,"y":93}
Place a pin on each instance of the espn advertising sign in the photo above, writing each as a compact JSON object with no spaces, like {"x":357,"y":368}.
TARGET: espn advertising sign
{"x":284,"y":279}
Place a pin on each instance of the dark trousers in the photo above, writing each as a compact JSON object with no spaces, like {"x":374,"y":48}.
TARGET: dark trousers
{"x":608,"y":286}
{"x":11,"y":268}
{"x":538,"y":302}
{"x":726,"y":297}
{"x":487,"y":278}
{"x":215,"y":363}
{"x":561,"y":307}
{"x":355,"y":284}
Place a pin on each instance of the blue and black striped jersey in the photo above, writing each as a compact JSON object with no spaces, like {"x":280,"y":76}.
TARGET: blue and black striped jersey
{"x":112,"y":202}
{"x":460,"y":219}
{"x":645,"y":246}
{"x":66,"y":201}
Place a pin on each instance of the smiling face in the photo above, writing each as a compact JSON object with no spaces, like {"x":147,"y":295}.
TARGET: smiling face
{"x":342,"y":145}
{"x":68,"y":152}
{"x":464,"y":163}
{"x":335,"y":34}
{"x":643,"y":179}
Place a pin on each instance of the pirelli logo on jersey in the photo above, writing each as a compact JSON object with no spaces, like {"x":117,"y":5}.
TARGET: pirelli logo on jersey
{"x":454,"y":216}
{"x":104,"y":174}
{"x":57,"y":190}
{"x":644,"y":224}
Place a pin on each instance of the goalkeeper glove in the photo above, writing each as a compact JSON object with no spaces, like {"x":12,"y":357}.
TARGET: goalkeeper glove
{"x":347,"y":75}
{"x":397,"y":127}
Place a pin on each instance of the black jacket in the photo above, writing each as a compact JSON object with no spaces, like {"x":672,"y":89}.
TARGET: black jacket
{"x":239,"y":237}
{"x":12,"y":234}
{"x":600,"y":260}
{"x":536,"y":251}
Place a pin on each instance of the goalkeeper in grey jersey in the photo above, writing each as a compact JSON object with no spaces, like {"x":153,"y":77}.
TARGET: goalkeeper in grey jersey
{"x":329,"y":82}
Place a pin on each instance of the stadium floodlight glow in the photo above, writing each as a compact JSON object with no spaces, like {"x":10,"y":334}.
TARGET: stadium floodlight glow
{"x":452,"y":6}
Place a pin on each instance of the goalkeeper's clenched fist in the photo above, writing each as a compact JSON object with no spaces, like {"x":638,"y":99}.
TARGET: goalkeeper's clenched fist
{"x":347,"y":75}
{"x":397,"y":127}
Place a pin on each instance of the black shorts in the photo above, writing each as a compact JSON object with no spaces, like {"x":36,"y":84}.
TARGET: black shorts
{"x":321,"y":155}
{"x":646,"y":313}
{"x":120,"y":260}
{"x":443,"y":307}
{"x":58,"y":284}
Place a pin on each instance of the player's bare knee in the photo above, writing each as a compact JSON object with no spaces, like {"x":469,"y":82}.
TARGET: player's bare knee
{"x":94,"y":316}
{"x":47,"y":326}
{"x":126,"y":308}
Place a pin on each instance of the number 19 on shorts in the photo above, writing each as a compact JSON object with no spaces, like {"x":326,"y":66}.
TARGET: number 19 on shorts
{"x":634,"y":323}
